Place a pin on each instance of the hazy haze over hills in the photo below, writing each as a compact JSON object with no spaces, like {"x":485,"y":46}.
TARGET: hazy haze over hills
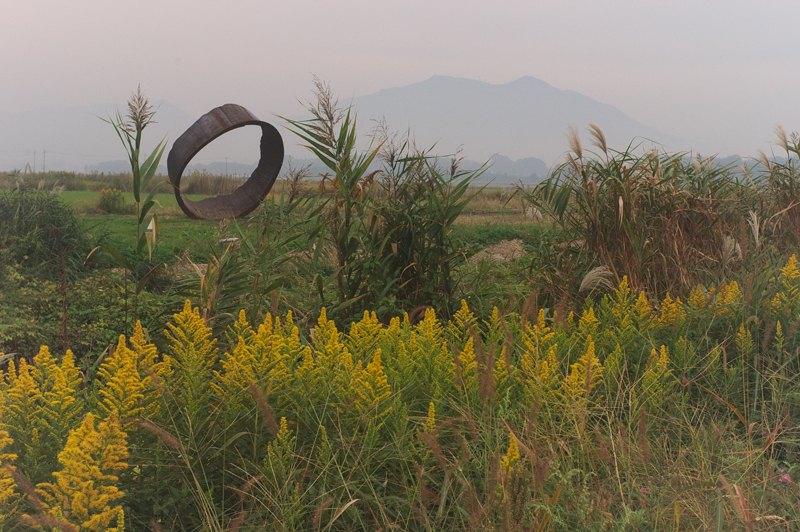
{"x":523,"y":118}
{"x":718,"y":72}
{"x":519,"y":125}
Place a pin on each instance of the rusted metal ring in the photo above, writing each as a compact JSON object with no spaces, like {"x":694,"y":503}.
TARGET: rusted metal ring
{"x":208,"y":127}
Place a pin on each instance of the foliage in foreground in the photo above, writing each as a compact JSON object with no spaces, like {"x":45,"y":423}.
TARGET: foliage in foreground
{"x":670,"y":221}
{"x":627,"y":417}
{"x":387,"y":231}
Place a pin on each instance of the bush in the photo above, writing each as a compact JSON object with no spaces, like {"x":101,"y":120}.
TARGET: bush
{"x":112,"y":201}
{"x":656,"y":219}
{"x":40,"y":233}
{"x":667,"y":221}
{"x":31,"y":312}
{"x":606,"y":420}
{"x":386,"y":232}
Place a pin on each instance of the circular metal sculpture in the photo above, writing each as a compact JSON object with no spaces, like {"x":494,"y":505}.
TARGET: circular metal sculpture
{"x":244,"y":199}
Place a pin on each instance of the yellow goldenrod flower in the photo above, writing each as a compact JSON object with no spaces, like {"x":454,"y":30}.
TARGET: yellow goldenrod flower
{"x":671,"y":312}
{"x":62,"y":404}
{"x":462,"y":321}
{"x":511,"y":456}
{"x":372,"y":387}
{"x":501,"y":371}
{"x":744,"y":341}
{"x":728,"y":296}
{"x":643,"y":311}
{"x":588,"y":324}
{"x":6,"y":482}
{"x":613,"y":364}
{"x":43,"y":369}
{"x":584,"y":375}
{"x":21,"y":412}
{"x":325,"y":333}
{"x":280,"y":453}
{"x":469,"y":365}
{"x":84,"y":492}
{"x":195,"y":356}
{"x":787,"y":300}
{"x":364,"y":335}
{"x":151,"y":369}
{"x":430,"y":421}
{"x":697,"y":300}
{"x":654,"y":379}
{"x":121,"y":387}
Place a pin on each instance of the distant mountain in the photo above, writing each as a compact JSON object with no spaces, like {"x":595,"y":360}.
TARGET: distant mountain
{"x":520,"y":126}
{"x":518,"y":119}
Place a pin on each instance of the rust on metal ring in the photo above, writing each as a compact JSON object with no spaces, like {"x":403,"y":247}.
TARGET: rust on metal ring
{"x":208,"y":127}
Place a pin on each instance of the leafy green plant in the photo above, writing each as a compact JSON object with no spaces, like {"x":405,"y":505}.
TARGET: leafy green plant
{"x":780,"y":180}
{"x":40,"y":235}
{"x":37,"y":231}
{"x":419,"y":204}
{"x":31,"y":312}
{"x":350,"y":217}
{"x":657,"y":219}
{"x":129,"y":130}
{"x":112,"y":201}
{"x":388,"y":230}
{"x":623,"y":415}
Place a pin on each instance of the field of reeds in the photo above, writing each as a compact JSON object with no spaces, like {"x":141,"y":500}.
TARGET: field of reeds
{"x":616,"y":349}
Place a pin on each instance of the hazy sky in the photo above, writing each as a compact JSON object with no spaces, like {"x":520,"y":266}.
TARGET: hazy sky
{"x":722,"y":72}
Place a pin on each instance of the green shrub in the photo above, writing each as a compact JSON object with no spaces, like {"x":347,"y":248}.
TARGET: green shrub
{"x":112,"y":201}
{"x":31,"y":311}
{"x":39,"y":232}
{"x":387,"y":232}
{"x":626,"y":416}
{"x":654,"y":218}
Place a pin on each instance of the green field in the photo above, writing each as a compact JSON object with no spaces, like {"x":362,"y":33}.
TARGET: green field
{"x":86,"y":201}
{"x":488,"y":222}
{"x":178,"y":235}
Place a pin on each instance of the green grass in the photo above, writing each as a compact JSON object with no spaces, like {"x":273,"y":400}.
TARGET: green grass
{"x":177,"y":235}
{"x":487,"y":233}
{"x":86,"y":202}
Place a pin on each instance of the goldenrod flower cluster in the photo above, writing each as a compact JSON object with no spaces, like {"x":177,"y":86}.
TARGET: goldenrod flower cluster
{"x":787,"y":301}
{"x":275,"y":405}
{"x":85,"y":491}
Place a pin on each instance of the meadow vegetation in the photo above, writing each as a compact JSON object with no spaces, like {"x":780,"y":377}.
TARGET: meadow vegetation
{"x":348,"y":358}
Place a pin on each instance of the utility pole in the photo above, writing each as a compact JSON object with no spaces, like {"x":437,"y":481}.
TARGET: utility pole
{"x":44,"y":161}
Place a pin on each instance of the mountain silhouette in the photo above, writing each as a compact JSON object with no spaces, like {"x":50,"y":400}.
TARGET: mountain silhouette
{"x":519,"y":125}
{"x":526,"y":117}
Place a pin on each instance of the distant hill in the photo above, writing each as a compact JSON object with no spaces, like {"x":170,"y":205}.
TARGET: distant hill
{"x":519,"y":125}
{"x":518,"y":119}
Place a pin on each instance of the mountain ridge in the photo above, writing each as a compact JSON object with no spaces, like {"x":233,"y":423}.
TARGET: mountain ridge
{"x":524,"y":118}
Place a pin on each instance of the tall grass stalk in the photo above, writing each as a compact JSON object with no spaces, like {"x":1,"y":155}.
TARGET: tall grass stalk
{"x":129,"y":130}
